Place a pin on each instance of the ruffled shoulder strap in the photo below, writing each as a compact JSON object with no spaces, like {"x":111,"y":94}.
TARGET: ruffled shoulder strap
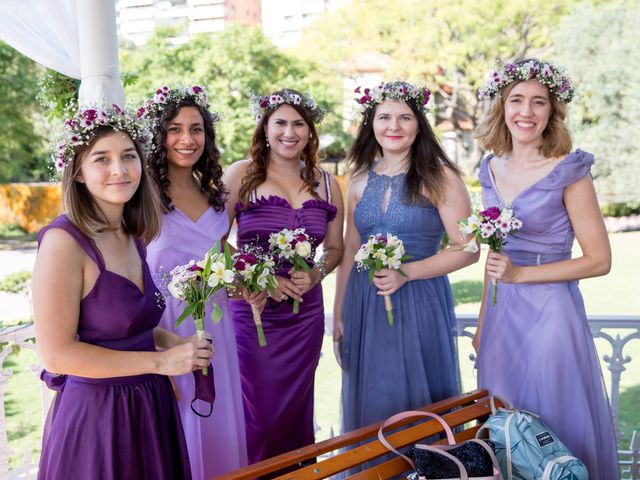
{"x":483,"y":172}
{"x":63,"y":222}
{"x":571,"y":169}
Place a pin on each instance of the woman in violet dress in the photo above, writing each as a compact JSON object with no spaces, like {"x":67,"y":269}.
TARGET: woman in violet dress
{"x":403,"y":184}
{"x":534,"y":346}
{"x":281,"y":186}
{"x":185,"y":166}
{"x":96,"y":313}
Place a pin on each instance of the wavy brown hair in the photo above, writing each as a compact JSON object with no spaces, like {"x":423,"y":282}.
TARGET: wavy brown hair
{"x":207,"y":170}
{"x":141,"y":214}
{"x":257,"y":170}
{"x":427,"y":158}
{"x":493,"y":134}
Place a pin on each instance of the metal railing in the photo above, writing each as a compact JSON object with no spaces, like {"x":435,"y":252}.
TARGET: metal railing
{"x":617,"y":331}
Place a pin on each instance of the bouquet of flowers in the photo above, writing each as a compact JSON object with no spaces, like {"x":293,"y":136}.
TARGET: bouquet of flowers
{"x":255,"y":271}
{"x":195,"y":282}
{"x":378,"y":253}
{"x":490,"y":226}
{"x":295,"y":246}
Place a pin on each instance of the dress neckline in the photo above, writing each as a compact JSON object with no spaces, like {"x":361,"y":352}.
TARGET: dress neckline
{"x":524,"y":190}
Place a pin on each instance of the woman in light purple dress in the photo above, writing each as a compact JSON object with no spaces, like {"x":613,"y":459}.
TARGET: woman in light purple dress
{"x":96,"y":313}
{"x":186,"y":169}
{"x":281,"y":186}
{"x":534,"y":345}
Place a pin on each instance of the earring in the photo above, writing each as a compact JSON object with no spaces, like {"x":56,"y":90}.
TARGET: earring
{"x":267,"y":140}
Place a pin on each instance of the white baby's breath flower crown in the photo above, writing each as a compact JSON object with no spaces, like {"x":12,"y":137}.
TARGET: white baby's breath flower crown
{"x":261,"y":105}
{"x":368,"y":98}
{"x":153,"y":108}
{"x":553,"y":77}
{"x":81,"y":127}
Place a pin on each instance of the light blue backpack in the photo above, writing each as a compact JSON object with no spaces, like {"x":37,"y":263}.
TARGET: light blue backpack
{"x":526,"y":449}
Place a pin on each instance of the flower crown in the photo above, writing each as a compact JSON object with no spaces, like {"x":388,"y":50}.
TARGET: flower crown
{"x":261,"y":105}
{"x":546,"y":73}
{"x":368,"y":98}
{"x":81,"y":128}
{"x":153,"y":108}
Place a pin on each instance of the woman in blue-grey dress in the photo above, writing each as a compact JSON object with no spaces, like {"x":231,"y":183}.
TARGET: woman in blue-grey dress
{"x":403,"y":184}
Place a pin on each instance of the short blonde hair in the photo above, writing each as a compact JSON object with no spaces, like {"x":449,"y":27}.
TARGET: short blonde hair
{"x":493,"y":134}
{"x":142,"y":214}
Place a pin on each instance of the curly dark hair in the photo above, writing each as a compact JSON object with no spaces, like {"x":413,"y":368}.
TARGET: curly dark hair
{"x":257,"y":171}
{"x":427,"y":158}
{"x":207,"y":169}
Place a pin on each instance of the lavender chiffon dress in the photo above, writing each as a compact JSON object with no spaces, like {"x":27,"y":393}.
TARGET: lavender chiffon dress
{"x":124,"y":428}
{"x":536,"y":348}
{"x":216,"y":444}
{"x":278,"y":379}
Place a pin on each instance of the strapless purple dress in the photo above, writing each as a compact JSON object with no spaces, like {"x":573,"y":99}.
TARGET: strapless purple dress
{"x":277,"y":380}
{"x":536,"y":348}
{"x":125,"y":428}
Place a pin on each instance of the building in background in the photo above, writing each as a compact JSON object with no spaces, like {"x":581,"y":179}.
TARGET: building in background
{"x":284,"y":20}
{"x":137,"y":18}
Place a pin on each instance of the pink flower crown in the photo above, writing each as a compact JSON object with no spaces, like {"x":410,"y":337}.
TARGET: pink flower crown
{"x":368,"y":98}
{"x":546,"y":73}
{"x":153,"y":108}
{"x":81,"y":128}
{"x":261,"y":105}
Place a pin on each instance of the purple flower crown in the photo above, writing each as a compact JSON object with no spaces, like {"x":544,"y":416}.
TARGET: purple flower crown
{"x":261,"y":105}
{"x":546,"y":73}
{"x":153,"y":108}
{"x":368,"y":98}
{"x":81,"y":127}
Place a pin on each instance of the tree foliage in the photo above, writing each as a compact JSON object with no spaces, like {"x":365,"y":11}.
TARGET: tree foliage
{"x":606,"y":116}
{"x":22,"y":156}
{"x":232,"y":64}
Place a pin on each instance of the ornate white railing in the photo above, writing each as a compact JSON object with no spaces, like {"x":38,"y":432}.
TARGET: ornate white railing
{"x":617,"y":331}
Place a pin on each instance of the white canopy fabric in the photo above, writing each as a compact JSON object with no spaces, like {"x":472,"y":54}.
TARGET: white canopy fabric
{"x":77,"y":38}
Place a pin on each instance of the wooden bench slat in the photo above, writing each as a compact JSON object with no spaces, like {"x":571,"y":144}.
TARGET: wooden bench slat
{"x":456,"y":411}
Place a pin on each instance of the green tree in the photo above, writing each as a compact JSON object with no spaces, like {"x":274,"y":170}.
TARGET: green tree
{"x":22,"y":156}
{"x":605,"y":117}
{"x":446,"y":45}
{"x":231,"y":64}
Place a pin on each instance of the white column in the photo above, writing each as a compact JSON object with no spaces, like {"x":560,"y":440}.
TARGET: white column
{"x":98,"y":41}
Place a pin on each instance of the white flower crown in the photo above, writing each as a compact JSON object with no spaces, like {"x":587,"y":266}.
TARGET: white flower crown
{"x":368,"y":98}
{"x":261,"y":105}
{"x":80,"y":129}
{"x":546,"y":73}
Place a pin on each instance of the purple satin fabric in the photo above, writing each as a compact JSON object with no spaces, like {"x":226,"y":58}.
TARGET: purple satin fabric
{"x":536,"y":348}
{"x":122,"y":427}
{"x":277,"y":380}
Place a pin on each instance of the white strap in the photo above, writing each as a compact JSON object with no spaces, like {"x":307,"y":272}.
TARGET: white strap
{"x":327,"y":184}
{"x":547,"y":470}
{"x":507,"y":444}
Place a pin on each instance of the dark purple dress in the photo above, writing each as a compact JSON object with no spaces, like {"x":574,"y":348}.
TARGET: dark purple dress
{"x":114,"y":428}
{"x":277,"y":380}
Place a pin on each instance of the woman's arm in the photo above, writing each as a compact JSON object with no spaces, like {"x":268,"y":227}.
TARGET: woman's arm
{"x":584,"y":213}
{"x":232,"y":179}
{"x":483,"y":305}
{"x":455,"y":206}
{"x":332,"y":244}
{"x":351,"y":246}
{"x":57,"y":289}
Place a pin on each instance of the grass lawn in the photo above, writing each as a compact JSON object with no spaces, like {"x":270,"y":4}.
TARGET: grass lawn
{"x":614,"y":294}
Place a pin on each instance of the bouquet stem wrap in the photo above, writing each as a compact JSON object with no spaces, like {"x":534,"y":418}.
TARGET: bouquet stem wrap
{"x":201,"y":334}
{"x":388,"y":306}
{"x":262,"y":341}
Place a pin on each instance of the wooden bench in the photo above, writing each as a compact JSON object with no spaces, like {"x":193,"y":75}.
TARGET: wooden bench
{"x":467,"y":411}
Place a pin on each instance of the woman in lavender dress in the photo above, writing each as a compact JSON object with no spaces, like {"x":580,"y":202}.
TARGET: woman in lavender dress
{"x":281,"y":186}
{"x":96,"y":313}
{"x":186,"y":169}
{"x":534,"y":346}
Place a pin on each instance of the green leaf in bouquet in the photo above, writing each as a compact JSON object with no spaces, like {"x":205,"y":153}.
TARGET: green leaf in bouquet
{"x":216,"y":313}
{"x":402,"y":273}
{"x":227,"y":256}
{"x":188,"y":310}
{"x":372,"y":273}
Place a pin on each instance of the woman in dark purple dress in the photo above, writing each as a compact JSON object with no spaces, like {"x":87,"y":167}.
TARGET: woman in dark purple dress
{"x":281,"y":186}
{"x":96,"y":310}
